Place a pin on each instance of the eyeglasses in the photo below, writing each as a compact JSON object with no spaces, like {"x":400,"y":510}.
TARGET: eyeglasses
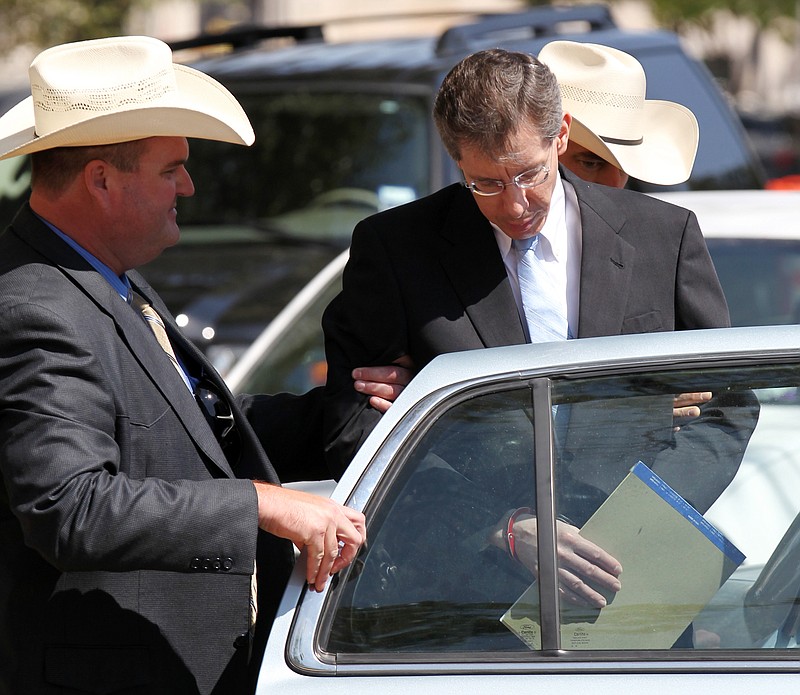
{"x":216,"y":410}
{"x":526,"y":180}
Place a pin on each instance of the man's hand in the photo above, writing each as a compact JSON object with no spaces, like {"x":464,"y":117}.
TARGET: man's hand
{"x":329,"y":531}
{"x":584,"y":569}
{"x":687,"y":404}
{"x":383,"y":384}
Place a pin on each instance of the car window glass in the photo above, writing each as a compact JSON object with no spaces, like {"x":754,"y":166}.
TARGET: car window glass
{"x":295,"y":363}
{"x":650,"y":521}
{"x":321,"y":162}
{"x":432,"y":580}
{"x":761,"y":279}
{"x":429,"y":579}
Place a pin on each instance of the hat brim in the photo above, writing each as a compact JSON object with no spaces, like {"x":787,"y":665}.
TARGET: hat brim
{"x":200,"y":107}
{"x":666,"y":153}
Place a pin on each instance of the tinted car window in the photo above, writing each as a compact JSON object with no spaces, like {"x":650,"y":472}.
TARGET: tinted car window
{"x":431,"y":581}
{"x":761,"y":279}
{"x":474,"y":463}
{"x":266,"y":218}
{"x":317,"y":153}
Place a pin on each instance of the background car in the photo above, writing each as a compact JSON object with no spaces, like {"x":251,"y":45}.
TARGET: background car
{"x":343,"y":130}
{"x":421,"y":606}
{"x":754,"y":240}
{"x":753,"y":237}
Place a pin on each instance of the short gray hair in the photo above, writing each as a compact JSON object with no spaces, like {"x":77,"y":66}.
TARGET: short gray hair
{"x":489,"y":96}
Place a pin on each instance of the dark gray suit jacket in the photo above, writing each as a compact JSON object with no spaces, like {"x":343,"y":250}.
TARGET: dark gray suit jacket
{"x":427,"y":278}
{"x":127,"y":539}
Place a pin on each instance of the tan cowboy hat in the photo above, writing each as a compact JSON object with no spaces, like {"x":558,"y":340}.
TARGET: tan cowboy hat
{"x":118,"y":89}
{"x":604,"y":91}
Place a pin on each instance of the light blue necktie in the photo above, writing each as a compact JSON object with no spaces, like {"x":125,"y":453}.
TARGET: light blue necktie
{"x":545,"y":307}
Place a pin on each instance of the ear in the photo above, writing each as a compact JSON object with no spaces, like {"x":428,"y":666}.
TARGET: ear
{"x":96,"y":179}
{"x":562,"y":139}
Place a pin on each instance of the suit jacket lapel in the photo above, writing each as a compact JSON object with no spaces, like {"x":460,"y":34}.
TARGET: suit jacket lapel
{"x":606,"y":263}
{"x":474,"y":267}
{"x":253,"y":463}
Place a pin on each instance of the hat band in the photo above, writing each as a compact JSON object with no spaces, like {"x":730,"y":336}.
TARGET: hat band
{"x":620,"y":141}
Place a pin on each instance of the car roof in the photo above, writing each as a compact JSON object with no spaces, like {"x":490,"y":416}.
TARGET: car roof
{"x":654,"y":350}
{"x":405,"y":60}
{"x":419,"y":59}
{"x":742,"y":214}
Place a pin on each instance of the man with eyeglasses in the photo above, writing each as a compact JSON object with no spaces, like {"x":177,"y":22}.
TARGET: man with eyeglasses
{"x":440,"y":274}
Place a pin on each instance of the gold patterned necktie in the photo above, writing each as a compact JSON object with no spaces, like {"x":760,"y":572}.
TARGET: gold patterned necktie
{"x":156,"y":324}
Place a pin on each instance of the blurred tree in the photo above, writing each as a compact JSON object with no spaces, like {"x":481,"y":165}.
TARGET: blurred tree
{"x":44,"y":23}
{"x":677,"y":13}
{"x":733,"y":57}
{"x":734,"y":65}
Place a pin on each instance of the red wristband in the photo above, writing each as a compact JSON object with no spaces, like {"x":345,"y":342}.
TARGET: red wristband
{"x":510,"y":544}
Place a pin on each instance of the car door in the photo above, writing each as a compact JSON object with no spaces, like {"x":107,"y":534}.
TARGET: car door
{"x":574,"y":438}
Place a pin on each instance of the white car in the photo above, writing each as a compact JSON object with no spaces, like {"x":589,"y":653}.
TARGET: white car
{"x":711,"y":605}
{"x":754,"y":239}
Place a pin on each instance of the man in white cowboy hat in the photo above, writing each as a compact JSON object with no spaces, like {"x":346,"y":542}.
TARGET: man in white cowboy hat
{"x":452,"y":271}
{"x":616,"y":132}
{"x":130,"y":520}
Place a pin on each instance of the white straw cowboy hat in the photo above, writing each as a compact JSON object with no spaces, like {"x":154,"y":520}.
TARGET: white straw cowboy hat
{"x":604,"y":91}
{"x":118,"y":89}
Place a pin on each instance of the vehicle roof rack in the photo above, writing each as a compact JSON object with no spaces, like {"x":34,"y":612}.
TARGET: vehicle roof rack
{"x":243,"y":36}
{"x":539,"y":21}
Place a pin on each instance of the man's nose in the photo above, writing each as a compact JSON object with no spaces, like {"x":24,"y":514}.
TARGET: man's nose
{"x":186,"y":185}
{"x":514,"y":200}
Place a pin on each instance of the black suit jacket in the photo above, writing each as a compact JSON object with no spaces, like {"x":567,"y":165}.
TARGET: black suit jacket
{"x":427,"y":278}
{"x":127,"y":539}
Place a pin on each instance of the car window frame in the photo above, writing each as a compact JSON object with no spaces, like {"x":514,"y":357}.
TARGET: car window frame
{"x":312,"y":618}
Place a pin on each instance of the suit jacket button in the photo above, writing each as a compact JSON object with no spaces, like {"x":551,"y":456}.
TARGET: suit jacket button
{"x":195,"y":563}
{"x":227,"y":564}
{"x":241,"y":641}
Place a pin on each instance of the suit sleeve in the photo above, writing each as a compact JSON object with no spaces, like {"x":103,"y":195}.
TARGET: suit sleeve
{"x":705,"y":454}
{"x":289,"y":428}
{"x":364,"y":326}
{"x":699,"y":299}
{"x":606,"y":437}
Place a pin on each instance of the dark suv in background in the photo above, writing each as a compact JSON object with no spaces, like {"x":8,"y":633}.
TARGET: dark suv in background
{"x":344,"y":130}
